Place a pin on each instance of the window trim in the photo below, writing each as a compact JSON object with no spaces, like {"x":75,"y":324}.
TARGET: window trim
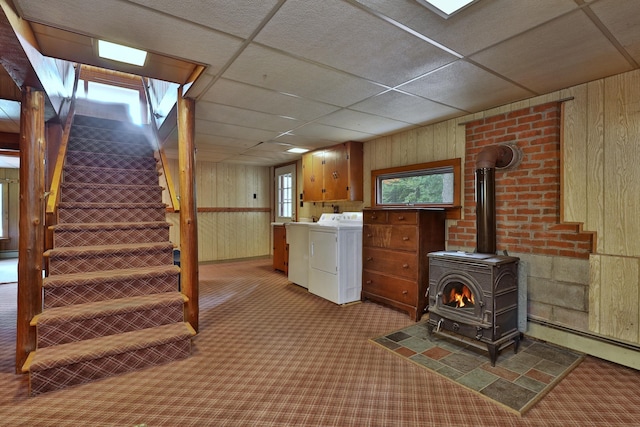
{"x":453,"y":209}
{"x":294,"y":192}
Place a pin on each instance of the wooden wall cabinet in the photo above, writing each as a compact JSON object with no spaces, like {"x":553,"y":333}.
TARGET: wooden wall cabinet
{"x":280,"y":249}
{"x":333,"y":173}
{"x":395,"y":265}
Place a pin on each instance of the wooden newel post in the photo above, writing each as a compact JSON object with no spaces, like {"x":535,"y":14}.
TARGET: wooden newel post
{"x":188,"y":211}
{"x":31,"y":223}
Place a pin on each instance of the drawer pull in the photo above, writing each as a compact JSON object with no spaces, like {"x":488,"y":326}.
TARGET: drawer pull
{"x":405,"y":265}
{"x":401,"y":218}
{"x":405,"y":238}
{"x":405,"y":292}
{"x":369,"y":235}
{"x":369,"y":259}
{"x":368,"y":282}
{"x":374,"y":217}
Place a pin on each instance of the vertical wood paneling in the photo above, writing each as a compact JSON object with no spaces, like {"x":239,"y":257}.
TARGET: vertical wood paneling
{"x":621,"y":171}
{"x":619,"y":303}
{"x":440,"y":141}
{"x":595,"y":282}
{"x":595,"y":162}
{"x":425,"y":144}
{"x":574,"y":158}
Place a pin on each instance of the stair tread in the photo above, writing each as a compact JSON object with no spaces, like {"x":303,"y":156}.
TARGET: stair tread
{"x":78,"y":279}
{"x":66,"y":354}
{"x":109,"y":226}
{"x":105,"y":249}
{"x":91,"y":310}
{"x":85,"y":185}
{"x":94,"y":205}
{"x":111,"y":170}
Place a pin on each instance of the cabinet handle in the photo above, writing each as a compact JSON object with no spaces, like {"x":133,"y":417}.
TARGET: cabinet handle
{"x":405,"y":265}
{"x":368,"y":282}
{"x":369,"y":258}
{"x":369,"y":235}
{"x":405,"y":238}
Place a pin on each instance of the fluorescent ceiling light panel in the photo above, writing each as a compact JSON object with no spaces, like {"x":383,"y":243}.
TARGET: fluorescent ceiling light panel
{"x":297,"y":150}
{"x":446,"y":8}
{"x":120,"y":53}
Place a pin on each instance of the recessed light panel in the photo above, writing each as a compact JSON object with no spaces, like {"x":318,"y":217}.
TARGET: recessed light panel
{"x":297,"y":150}
{"x":118,"y":52}
{"x":446,"y":8}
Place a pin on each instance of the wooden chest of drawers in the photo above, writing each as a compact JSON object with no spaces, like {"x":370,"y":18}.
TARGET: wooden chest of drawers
{"x":395,"y":266}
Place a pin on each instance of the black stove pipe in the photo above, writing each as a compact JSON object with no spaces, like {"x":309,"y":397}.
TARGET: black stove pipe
{"x":488,"y":159}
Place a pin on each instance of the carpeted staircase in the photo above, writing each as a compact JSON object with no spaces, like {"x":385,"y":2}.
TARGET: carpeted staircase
{"x":111,"y":300}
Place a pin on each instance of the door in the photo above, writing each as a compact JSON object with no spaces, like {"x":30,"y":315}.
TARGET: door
{"x":312,"y":165}
{"x":336,"y":172}
{"x":285,"y":190}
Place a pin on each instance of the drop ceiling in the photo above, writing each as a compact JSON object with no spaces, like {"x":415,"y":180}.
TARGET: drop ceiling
{"x":308,"y":73}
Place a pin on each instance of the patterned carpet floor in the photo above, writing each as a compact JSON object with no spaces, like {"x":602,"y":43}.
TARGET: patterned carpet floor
{"x":268,"y":353}
{"x":517,"y":381}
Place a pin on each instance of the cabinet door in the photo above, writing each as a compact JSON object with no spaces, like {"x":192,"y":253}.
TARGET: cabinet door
{"x":336,"y":173}
{"x":280,"y":253}
{"x":312,"y":176}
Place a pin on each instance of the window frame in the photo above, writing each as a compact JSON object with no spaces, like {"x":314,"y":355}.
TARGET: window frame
{"x":453,"y":209}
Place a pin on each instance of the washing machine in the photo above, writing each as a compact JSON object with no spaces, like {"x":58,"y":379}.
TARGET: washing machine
{"x":335,"y":257}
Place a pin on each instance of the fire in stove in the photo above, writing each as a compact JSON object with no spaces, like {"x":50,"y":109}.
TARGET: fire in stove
{"x":459,"y":295}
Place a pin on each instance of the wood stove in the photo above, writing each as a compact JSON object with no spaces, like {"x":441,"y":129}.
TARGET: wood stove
{"x":475,"y":295}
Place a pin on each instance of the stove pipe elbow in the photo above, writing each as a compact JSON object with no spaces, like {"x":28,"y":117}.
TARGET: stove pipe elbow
{"x":494,"y":156}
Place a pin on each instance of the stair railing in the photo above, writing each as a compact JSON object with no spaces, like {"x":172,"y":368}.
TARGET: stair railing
{"x":164,"y":165}
{"x":53,"y":195}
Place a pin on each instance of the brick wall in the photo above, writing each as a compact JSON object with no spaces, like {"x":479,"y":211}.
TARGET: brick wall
{"x":528,"y":195}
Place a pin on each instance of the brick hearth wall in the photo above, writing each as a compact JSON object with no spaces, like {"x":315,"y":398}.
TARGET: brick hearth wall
{"x":528,"y":195}
{"x":554,"y":256}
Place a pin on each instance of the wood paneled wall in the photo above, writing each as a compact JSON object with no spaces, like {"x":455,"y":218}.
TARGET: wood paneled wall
{"x":231,"y":223}
{"x":13,"y":208}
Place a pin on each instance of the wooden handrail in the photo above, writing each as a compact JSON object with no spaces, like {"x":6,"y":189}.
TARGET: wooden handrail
{"x":56,"y":179}
{"x":175,"y":203}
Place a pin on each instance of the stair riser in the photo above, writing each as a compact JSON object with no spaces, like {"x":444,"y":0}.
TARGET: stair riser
{"x":63,"y":332}
{"x":78,"y":158}
{"x":87,"y":263}
{"x":111,"y":195}
{"x":91,"y":370}
{"x":109,"y":237}
{"x":110,"y":176}
{"x":93,"y":215}
{"x":106,"y":135}
{"x":110,"y":147}
{"x":102,"y":291}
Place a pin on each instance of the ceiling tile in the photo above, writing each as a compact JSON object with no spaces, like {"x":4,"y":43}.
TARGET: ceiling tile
{"x":621,"y":17}
{"x":464,"y":86}
{"x":233,"y":131}
{"x":363,"y":122}
{"x":265,"y":67}
{"x":411,"y":109}
{"x":243,"y":117}
{"x":237,"y":17}
{"x":320,"y":131}
{"x":254,"y":98}
{"x":345,"y":37}
{"x":567,"y":50}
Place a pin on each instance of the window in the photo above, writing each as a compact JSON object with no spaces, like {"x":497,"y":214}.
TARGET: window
{"x":435,"y":184}
{"x":285,"y":191}
{"x":113,"y":94}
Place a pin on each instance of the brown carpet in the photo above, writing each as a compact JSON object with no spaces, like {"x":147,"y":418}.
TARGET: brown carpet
{"x":271,"y":354}
{"x":517,"y":381}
